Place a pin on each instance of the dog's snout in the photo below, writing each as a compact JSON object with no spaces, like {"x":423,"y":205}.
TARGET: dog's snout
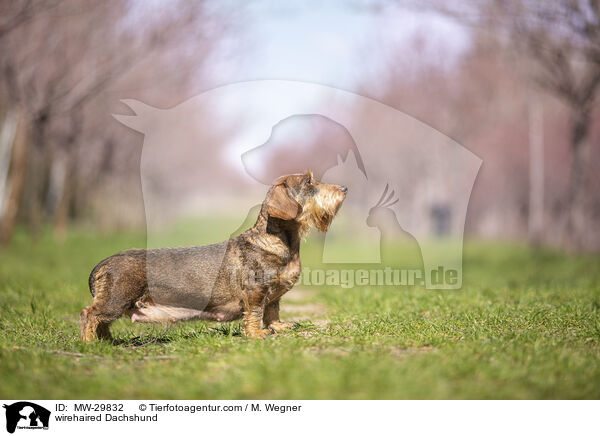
{"x":343,"y":189}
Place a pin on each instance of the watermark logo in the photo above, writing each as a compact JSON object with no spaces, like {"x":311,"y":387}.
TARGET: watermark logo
{"x":408,"y":184}
{"x":25,"y":415}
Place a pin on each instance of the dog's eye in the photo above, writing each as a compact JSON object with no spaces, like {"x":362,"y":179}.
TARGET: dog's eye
{"x":309,"y":182}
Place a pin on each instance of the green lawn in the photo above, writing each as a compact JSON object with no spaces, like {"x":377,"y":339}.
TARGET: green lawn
{"x":525,"y":325}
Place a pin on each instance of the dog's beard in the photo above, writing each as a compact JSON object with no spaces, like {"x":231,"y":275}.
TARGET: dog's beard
{"x":318,"y":211}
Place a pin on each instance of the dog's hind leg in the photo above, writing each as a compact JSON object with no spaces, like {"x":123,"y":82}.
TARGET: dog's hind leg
{"x":94,"y":321}
{"x":94,"y":324}
{"x":88,"y":324}
{"x":103,"y":331}
{"x":112,"y":298}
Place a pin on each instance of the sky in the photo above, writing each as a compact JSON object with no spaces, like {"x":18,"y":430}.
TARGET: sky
{"x":346,"y":45}
{"x":343,"y":44}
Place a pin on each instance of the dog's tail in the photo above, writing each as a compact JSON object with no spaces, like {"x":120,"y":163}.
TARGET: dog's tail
{"x":95,"y":275}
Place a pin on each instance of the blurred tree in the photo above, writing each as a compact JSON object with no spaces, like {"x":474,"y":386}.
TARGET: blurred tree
{"x":563,"y":39}
{"x":57,"y":57}
{"x":561,"y":42}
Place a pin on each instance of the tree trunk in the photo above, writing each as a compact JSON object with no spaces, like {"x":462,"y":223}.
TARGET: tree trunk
{"x":536,"y":172}
{"x":576,"y":218}
{"x":66,"y":183}
{"x":37,"y":178}
{"x":66,"y":197}
{"x":7,"y":141}
{"x":16,"y":178}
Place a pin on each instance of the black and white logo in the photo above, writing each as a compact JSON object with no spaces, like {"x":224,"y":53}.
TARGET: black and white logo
{"x":26,"y":415}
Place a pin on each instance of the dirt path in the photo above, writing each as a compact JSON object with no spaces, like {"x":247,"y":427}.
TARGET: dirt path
{"x":301,"y":304}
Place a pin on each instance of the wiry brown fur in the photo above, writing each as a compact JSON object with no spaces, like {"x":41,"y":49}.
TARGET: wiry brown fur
{"x":245,"y":276}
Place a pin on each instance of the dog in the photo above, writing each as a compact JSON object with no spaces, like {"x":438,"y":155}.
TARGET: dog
{"x":245,"y":276}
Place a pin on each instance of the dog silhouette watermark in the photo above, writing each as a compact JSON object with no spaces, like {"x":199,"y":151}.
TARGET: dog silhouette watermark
{"x":408,"y":184}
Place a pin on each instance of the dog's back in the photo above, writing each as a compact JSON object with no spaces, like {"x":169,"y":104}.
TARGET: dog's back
{"x":183,"y":276}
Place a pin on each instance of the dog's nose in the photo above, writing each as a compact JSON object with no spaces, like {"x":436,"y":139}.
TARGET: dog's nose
{"x":343,"y":189}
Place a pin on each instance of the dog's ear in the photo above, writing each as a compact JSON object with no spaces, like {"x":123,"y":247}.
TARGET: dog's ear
{"x":280,"y":205}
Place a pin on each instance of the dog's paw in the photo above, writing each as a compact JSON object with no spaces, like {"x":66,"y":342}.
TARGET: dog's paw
{"x":279,"y":326}
{"x":257,"y":334}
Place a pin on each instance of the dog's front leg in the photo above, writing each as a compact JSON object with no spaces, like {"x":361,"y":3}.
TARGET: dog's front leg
{"x":253,"y":315}
{"x":271,"y":318}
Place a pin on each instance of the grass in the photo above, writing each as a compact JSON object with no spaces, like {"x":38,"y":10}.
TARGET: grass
{"x":525,"y":325}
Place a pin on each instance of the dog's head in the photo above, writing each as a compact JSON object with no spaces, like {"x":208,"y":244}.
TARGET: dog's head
{"x":301,"y":198}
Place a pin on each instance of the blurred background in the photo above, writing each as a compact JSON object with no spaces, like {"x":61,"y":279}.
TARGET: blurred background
{"x":513,"y":81}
